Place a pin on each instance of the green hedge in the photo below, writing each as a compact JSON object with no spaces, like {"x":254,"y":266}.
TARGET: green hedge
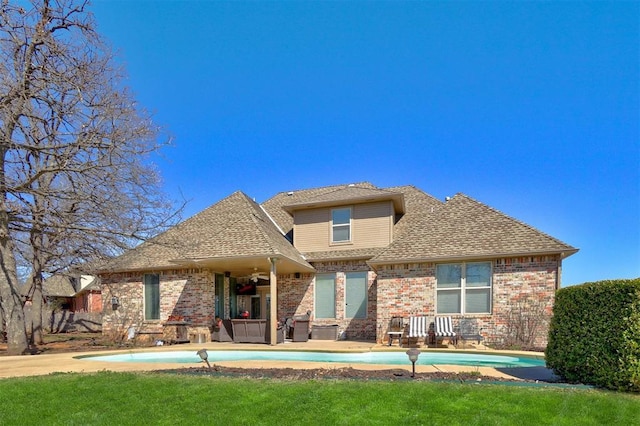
{"x":594,"y":336}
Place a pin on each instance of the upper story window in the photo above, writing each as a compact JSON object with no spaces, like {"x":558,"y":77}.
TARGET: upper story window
{"x":341,"y":225}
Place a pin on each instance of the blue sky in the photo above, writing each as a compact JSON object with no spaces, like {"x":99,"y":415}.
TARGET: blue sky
{"x":530,"y":107}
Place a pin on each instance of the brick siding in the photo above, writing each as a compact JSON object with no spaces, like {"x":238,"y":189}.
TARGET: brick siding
{"x":409,"y":289}
{"x":393,"y":290}
{"x":188,"y":293}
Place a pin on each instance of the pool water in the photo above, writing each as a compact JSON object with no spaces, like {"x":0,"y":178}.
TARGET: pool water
{"x":400,"y":358}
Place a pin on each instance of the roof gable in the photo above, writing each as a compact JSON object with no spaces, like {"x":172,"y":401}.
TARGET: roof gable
{"x":236,"y":226}
{"x":59,"y":286}
{"x":275,"y":205}
{"x":416,"y":203}
{"x":350,"y":194}
{"x":247,"y":231}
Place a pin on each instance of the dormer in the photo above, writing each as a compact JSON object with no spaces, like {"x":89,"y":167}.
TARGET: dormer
{"x":348,"y":218}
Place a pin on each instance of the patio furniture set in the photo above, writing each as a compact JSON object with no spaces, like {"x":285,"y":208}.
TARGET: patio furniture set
{"x":244,"y":330}
{"x":439,"y":329}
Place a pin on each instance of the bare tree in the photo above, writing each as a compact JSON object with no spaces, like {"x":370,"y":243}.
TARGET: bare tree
{"x":76,"y":180}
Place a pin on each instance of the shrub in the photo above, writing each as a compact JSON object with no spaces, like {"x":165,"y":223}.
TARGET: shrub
{"x":526,"y":323}
{"x":594,"y":335}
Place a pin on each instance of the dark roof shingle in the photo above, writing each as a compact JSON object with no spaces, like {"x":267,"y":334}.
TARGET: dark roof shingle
{"x":236,"y":226}
{"x":429,"y":230}
{"x":346,"y":195}
{"x":466,"y":228}
{"x":275,"y":205}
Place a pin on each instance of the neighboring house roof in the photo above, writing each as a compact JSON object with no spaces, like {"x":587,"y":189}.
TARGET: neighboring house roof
{"x":465,"y":228}
{"x":233,"y":228}
{"x":58,"y":286}
{"x":61,"y":285}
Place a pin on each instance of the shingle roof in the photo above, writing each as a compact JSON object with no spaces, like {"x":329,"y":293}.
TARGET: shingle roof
{"x":58,"y":286}
{"x":234,"y":227}
{"x":63,"y":285}
{"x":320,"y":256}
{"x":418,"y":205}
{"x":247,"y":231}
{"x":429,"y":230}
{"x":275,"y":205}
{"x":466,"y":228}
{"x":348,"y":194}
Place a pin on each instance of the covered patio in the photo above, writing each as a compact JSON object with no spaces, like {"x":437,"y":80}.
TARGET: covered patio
{"x":246,"y":272}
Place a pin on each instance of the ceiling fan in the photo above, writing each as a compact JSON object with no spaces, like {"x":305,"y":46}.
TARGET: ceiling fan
{"x":255,"y":276}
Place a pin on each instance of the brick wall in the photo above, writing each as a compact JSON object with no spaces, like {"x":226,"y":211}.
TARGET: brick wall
{"x":188,"y":293}
{"x":296,"y":297}
{"x":527,"y":282}
{"x":404,"y":290}
{"x":393,"y":290}
{"x":409,"y":289}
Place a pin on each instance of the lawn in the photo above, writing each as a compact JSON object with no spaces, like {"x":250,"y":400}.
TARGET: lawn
{"x":136,"y":398}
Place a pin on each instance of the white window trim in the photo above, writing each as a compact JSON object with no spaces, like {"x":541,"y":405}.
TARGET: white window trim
{"x":332,"y":226}
{"x":462,"y":289}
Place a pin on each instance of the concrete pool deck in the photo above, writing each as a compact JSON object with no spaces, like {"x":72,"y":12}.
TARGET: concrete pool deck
{"x":68,"y":362}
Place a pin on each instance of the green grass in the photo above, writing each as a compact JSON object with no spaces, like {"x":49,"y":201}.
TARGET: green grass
{"x":135,"y":398}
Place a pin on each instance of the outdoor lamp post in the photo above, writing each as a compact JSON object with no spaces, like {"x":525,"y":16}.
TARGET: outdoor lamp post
{"x":202,"y":353}
{"x":413,"y":357}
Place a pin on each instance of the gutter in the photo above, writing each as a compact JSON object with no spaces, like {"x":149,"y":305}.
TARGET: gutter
{"x":563,"y":255}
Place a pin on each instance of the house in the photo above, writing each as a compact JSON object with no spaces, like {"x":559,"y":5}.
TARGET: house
{"x":79,"y":293}
{"x":352,"y":255}
{"x":73,"y":303}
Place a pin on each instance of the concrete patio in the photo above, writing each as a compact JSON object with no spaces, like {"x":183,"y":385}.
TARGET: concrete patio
{"x":34,"y":365}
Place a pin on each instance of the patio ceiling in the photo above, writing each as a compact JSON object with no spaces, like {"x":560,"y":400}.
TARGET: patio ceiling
{"x":240,"y":266}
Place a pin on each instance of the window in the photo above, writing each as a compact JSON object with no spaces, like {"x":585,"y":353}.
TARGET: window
{"x":219,"y":296}
{"x":325,"y":296}
{"x":151,"y":297}
{"x":356,"y":295}
{"x":341,"y":225}
{"x":464,"y":288}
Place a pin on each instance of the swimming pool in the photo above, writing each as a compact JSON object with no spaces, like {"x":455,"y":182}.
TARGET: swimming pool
{"x":399,"y":358}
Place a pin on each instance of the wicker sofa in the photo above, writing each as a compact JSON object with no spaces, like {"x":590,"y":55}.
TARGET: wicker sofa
{"x":254,"y":331}
{"x":222,"y":331}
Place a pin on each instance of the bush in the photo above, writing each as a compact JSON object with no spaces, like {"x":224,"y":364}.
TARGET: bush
{"x":526,"y":323}
{"x":594,"y":335}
